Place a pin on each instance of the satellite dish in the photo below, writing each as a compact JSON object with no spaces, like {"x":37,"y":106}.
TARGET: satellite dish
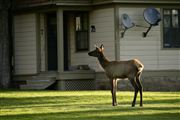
{"x":151,"y":16}
{"x":126,"y":23}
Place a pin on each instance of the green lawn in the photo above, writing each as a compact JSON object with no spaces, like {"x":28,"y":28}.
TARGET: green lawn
{"x":87,"y":105}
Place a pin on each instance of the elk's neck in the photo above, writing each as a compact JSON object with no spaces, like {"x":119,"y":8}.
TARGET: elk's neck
{"x":103,"y":60}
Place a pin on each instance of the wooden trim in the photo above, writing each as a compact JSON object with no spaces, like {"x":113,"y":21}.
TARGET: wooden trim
{"x":38,"y":45}
{"x":101,"y":2}
{"x":116,"y":33}
{"x":60,"y":40}
{"x":81,"y":74}
{"x":45,"y":42}
{"x":69,"y":75}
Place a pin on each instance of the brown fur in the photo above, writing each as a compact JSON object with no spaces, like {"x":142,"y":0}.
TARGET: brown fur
{"x":131,"y":69}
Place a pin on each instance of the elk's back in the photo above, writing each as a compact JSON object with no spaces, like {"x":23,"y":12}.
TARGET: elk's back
{"x":122,"y":69}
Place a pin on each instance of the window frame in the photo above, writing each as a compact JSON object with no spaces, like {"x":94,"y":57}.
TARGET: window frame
{"x":171,"y":27}
{"x":81,"y":14}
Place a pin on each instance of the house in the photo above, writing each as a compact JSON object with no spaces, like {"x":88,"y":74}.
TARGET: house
{"x":52,"y":39}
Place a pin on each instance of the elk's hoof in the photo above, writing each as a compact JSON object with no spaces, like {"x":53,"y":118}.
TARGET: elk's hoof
{"x":133,"y":105}
{"x":114,"y":104}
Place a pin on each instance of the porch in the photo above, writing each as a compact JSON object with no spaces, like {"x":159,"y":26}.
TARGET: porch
{"x":69,"y":80}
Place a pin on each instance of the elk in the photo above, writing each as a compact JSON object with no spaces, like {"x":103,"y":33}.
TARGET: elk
{"x":131,"y":69}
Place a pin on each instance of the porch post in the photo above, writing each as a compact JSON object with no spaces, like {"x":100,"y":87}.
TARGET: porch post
{"x":116,"y":31}
{"x":60,"y":41}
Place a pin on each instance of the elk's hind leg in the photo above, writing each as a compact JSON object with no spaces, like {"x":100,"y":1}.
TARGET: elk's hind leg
{"x":140,"y":88}
{"x":133,"y":82}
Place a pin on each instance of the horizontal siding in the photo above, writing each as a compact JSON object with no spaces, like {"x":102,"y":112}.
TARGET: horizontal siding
{"x":76,"y":58}
{"x":168,"y":59}
{"x":148,"y":49}
{"x":103,"y":20}
{"x":25,"y":44}
{"x":43,"y":41}
{"x":29,"y":35}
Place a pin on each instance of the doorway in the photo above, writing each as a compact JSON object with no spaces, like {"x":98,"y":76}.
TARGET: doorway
{"x":52,"y":41}
{"x":66,"y":41}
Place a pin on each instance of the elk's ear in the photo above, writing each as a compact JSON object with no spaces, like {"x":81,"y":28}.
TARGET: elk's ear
{"x":102,"y":47}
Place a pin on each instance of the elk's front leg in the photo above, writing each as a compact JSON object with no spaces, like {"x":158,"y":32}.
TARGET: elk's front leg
{"x":113,"y":83}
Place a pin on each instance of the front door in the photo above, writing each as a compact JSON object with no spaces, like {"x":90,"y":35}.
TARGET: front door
{"x":66,"y":41}
{"x":52,"y":41}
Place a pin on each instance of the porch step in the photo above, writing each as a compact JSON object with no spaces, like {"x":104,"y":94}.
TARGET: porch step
{"x":37,"y":84}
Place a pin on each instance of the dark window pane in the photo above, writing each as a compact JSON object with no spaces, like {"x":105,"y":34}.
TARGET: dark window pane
{"x":82,"y":33}
{"x":167,"y":37}
{"x":167,"y":12}
{"x":171,"y":29}
{"x":78,"y":23}
{"x":85,"y":22}
{"x":175,"y":18}
{"x":81,"y":37}
{"x":167,"y":21}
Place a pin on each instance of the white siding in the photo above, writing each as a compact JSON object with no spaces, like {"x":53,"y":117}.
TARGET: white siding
{"x":76,"y":58}
{"x":103,"y":20}
{"x":42,"y":41}
{"x":25,"y":44}
{"x":147,"y":49}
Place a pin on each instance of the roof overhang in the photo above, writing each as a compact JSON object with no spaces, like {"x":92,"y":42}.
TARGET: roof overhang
{"x":91,"y":3}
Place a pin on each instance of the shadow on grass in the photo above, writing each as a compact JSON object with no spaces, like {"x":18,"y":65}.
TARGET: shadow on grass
{"x":66,"y":100}
{"x":90,"y":107}
{"x":112,"y":114}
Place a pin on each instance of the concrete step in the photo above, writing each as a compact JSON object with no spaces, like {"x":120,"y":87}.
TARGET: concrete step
{"x":37,"y":84}
{"x":39,"y":81}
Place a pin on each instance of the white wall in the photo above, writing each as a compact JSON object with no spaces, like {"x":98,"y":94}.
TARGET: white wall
{"x":25,"y":57}
{"x":76,"y":58}
{"x":103,"y":20}
{"x":148,"y":49}
{"x":43,"y":42}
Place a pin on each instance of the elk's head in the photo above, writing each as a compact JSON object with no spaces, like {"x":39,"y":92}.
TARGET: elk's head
{"x":97,"y":52}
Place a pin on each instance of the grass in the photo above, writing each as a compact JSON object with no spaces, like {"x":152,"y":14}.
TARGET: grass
{"x":87,"y":105}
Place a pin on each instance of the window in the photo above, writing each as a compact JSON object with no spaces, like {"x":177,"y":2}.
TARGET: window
{"x":82,"y":32}
{"x":171,"y":28}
